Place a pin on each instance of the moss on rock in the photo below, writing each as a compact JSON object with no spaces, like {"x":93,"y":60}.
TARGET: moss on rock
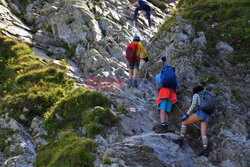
{"x":69,"y":150}
{"x":75,"y":110}
{"x":221,"y":21}
{"x":26,"y":82}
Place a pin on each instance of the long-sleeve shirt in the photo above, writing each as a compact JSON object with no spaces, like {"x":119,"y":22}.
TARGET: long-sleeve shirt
{"x":195,"y":102}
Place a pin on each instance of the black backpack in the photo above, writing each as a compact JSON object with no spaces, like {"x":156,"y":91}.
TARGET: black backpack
{"x":207,"y":102}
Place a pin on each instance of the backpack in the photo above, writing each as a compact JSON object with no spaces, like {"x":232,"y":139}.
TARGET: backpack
{"x":131,"y":52}
{"x":168,"y":77}
{"x":207,"y":102}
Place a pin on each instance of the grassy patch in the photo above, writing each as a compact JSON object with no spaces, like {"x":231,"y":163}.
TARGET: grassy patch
{"x":48,"y":28}
{"x":122,"y":109}
{"x":76,"y":110}
{"x":69,"y":150}
{"x":236,"y":93}
{"x":159,"y":4}
{"x":4,"y":134}
{"x":244,"y":58}
{"x":231,"y":17}
{"x":169,"y":22}
{"x":205,"y":64}
{"x":210,"y":79}
{"x":26,"y":82}
{"x":106,"y":160}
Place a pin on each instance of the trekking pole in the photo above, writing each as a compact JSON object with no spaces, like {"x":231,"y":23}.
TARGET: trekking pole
{"x":146,"y":71}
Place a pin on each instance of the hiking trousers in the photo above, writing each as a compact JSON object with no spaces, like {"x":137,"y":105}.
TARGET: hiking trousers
{"x":147,"y":9}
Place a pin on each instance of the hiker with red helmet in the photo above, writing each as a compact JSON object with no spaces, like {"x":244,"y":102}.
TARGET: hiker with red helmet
{"x":133,"y":56}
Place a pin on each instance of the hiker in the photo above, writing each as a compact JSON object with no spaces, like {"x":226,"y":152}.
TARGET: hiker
{"x":133,"y":56}
{"x":199,"y":115}
{"x":166,"y":95}
{"x":143,"y":6}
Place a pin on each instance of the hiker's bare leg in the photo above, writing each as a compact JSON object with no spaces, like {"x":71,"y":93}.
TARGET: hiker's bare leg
{"x":204,"y":129}
{"x":130,"y":73}
{"x":162,"y":115}
{"x":166,"y":117}
{"x":191,"y":120}
{"x":135,"y":72}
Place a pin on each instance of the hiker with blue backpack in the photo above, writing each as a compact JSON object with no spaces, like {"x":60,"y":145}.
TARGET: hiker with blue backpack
{"x":167,"y":86}
{"x":143,"y":6}
{"x":133,"y":57}
{"x":203,"y":104}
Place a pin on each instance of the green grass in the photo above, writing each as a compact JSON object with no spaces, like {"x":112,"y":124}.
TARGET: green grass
{"x":76,"y":110}
{"x":236,"y":93}
{"x":169,"y":22}
{"x":210,"y":79}
{"x":28,"y":83}
{"x":158,"y":3}
{"x":69,"y":150}
{"x":205,"y":64}
{"x":106,"y":160}
{"x":4,"y":134}
{"x":44,"y":90}
{"x":122,"y":109}
{"x":48,"y":28}
{"x":232,"y":16}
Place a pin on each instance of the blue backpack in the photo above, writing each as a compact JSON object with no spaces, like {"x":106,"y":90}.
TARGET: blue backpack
{"x":168,"y":77}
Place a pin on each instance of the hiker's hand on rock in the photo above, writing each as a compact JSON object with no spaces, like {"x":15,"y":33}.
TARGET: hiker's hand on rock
{"x":146,"y":59}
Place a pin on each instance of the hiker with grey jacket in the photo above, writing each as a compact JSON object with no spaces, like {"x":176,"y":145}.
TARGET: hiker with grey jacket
{"x":203,"y":104}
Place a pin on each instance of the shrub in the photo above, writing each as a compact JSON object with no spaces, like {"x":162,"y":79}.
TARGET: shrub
{"x":106,"y":160}
{"x":206,"y":64}
{"x":69,"y":150}
{"x":26,"y":82}
{"x":75,"y":111}
{"x":232,"y":17}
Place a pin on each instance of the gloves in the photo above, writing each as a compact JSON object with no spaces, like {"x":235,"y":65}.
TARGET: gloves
{"x":184,"y":117}
{"x":146,"y":59}
{"x":128,"y":7}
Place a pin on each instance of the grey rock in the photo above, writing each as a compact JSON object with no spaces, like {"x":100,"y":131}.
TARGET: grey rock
{"x":200,"y":42}
{"x":224,"y":48}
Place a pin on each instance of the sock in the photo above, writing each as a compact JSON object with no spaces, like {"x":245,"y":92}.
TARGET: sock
{"x":163,"y":124}
{"x":204,"y":141}
{"x":166,"y":123}
{"x":183,"y":130}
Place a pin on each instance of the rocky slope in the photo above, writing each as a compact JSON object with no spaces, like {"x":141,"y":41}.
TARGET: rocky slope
{"x":92,"y":35}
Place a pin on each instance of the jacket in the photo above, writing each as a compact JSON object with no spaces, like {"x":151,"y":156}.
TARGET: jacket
{"x":141,"y":49}
{"x":165,"y":93}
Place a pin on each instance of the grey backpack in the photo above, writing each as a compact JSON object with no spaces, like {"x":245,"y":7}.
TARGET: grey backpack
{"x":207,"y":102}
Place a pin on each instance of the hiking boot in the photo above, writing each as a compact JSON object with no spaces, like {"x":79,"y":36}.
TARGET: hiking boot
{"x":180,"y":141}
{"x":129,"y":84}
{"x":134,"y":83}
{"x":204,"y":152}
{"x":160,"y":129}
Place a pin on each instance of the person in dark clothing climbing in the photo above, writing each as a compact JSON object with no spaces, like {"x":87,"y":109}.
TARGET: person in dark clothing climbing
{"x":143,"y":6}
{"x":199,"y":115}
